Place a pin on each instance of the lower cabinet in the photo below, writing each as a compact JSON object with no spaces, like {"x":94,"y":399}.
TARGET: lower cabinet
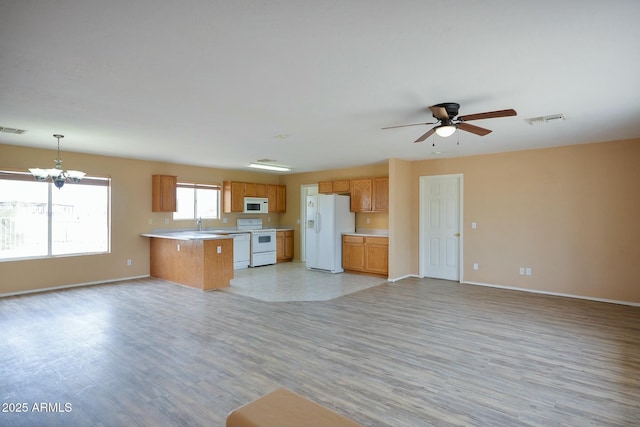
{"x":284,"y":245}
{"x":367,"y":254}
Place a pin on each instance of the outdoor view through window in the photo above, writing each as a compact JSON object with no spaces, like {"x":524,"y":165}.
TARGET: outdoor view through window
{"x":39,"y":220}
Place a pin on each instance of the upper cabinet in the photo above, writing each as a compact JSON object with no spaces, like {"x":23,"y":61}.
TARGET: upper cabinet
{"x":163,"y":196}
{"x":252,"y":189}
{"x":370,"y":195}
{"x":367,"y":194}
{"x":277,"y":195}
{"x":337,"y":187}
{"x":380,"y":195}
{"x":235,"y":192}
{"x":361,"y":193}
{"x":233,"y":196}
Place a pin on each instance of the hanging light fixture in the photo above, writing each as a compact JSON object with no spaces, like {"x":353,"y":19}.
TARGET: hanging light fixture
{"x":58,"y":175}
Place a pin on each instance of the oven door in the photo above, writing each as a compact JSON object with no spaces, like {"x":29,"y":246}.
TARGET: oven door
{"x":263,"y":242}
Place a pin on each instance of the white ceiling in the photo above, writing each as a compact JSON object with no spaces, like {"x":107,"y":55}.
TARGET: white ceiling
{"x":214,"y":83}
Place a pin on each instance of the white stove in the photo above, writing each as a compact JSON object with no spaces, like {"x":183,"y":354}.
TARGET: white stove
{"x":263,"y":241}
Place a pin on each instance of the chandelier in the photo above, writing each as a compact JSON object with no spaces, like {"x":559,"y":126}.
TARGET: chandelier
{"x":58,"y":175}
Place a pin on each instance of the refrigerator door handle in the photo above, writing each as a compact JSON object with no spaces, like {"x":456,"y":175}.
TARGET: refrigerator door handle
{"x":317,"y":222}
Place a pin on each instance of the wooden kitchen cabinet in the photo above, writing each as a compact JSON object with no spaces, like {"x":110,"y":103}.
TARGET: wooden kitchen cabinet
{"x":370,"y":194}
{"x":380,"y":195}
{"x":235,"y":192}
{"x":284,"y":245}
{"x":366,"y":254}
{"x":361,"y":193}
{"x":334,"y":187}
{"x":252,"y":189}
{"x":342,"y":187}
{"x":233,"y":196}
{"x":325,"y":187}
{"x":353,"y":253}
{"x":376,"y":255}
{"x":163,"y":193}
{"x":277,"y":195}
{"x":201,"y":264}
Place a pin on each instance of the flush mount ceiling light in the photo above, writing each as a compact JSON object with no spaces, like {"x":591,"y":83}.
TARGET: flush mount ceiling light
{"x":57,"y":174}
{"x":268,"y":166}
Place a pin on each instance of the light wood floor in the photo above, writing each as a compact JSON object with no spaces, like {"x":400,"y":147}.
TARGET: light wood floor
{"x":414,"y":353}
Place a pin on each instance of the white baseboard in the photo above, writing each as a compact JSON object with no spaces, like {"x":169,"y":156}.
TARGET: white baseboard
{"x":76,"y":285}
{"x":556,"y":294}
{"x":406,"y":276}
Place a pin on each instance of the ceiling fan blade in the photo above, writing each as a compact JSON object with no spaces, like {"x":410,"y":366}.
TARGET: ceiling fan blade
{"x":414,"y":124}
{"x":426,"y":135}
{"x":439,"y":113}
{"x":473,"y":129}
{"x":488,"y":115}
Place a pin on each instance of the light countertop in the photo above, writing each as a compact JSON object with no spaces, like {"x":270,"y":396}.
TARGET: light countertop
{"x":187,"y":235}
{"x":369,"y":232}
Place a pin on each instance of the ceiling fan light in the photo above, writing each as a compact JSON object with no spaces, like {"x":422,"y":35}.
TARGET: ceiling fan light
{"x":445,"y":130}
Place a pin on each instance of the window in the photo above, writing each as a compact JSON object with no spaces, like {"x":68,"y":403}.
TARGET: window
{"x":39,"y":220}
{"x":197,"y":201}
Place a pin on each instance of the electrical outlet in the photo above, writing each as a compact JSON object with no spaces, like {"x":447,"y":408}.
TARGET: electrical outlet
{"x":129,"y":262}
{"x":475,"y":265}
{"x":150,"y":221}
{"x":166,"y":221}
{"x":474,"y":225}
{"x":522,"y":271}
{"x":528,"y":271}
{"x":219,"y":249}
{"x":178,"y":247}
{"x":225,"y":220}
{"x":368,"y":220}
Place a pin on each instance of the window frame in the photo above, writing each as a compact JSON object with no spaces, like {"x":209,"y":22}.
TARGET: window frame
{"x":195,"y":186}
{"x":101,"y":181}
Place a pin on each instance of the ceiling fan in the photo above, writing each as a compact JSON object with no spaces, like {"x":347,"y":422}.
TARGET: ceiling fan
{"x":446,"y":114}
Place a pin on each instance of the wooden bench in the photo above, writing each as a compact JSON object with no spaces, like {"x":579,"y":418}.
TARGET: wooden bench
{"x":284,"y":408}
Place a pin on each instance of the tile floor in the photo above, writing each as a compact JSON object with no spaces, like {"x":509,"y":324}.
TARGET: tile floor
{"x":291,"y":281}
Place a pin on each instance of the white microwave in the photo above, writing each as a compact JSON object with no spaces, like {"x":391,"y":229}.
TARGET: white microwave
{"x":256,"y":205}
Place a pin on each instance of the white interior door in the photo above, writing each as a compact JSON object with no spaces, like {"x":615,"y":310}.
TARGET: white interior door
{"x":440,"y":224}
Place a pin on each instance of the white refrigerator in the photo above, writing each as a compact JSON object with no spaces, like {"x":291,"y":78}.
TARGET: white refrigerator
{"x":328,"y":216}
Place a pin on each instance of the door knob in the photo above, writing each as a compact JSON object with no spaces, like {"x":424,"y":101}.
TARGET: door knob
{"x":457,"y":234}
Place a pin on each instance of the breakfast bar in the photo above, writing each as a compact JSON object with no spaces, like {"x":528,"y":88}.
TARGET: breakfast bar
{"x":198,"y":259}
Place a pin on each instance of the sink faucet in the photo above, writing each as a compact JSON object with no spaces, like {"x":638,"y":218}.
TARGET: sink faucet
{"x":199,"y":224}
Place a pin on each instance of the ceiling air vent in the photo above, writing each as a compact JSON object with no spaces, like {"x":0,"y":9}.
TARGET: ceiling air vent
{"x":545,"y":119}
{"x":12,"y":130}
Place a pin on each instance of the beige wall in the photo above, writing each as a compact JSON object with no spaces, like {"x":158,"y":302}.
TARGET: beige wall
{"x":379,"y":220}
{"x":569,"y":213}
{"x":131,"y":212}
{"x":401,"y":231}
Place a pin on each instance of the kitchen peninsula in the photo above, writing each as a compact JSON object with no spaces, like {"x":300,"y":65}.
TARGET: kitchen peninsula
{"x":202,"y":260}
